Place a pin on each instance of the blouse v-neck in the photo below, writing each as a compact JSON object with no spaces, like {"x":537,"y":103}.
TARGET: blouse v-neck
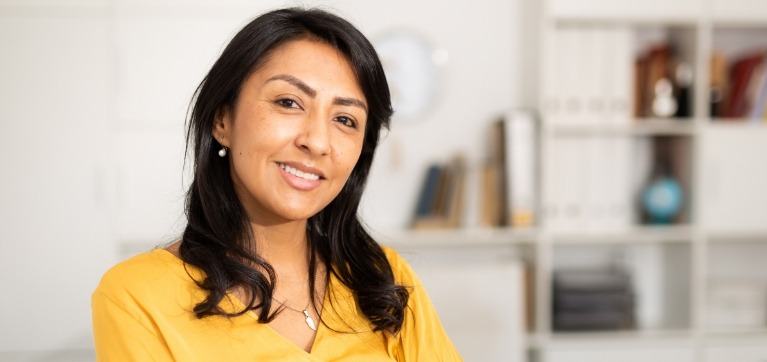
{"x":143,"y":310}
{"x":239,"y":305}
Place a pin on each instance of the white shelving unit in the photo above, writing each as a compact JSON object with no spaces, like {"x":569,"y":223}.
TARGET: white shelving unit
{"x":724,"y":231}
{"x":720,"y":237}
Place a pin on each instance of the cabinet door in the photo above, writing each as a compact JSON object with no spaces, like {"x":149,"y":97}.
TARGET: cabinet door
{"x":734,"y":177}
{"x":486,"y":323}
{"x":736,"y":353}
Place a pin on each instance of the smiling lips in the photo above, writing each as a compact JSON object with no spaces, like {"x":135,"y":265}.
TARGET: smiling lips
{"x":299,"y":176}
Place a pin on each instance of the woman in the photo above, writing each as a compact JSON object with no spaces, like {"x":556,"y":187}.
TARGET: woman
{"x":274,"y":264}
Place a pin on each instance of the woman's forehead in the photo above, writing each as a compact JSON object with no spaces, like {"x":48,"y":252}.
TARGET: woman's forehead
{"x":315,"y":63}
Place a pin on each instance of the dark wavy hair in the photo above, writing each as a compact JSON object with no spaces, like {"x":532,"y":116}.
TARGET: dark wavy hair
{"x":218,"y":238}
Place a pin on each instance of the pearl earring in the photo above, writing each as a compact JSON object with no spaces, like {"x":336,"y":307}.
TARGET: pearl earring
{"x":222,"y":151}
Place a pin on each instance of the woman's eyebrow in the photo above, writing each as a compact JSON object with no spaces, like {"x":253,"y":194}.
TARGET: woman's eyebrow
{"x":311,"y":92}
{"x":296,"y":82}
{"x":344,"y":101}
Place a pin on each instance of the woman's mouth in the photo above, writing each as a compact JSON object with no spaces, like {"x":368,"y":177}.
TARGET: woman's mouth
{"x":300,"y":180}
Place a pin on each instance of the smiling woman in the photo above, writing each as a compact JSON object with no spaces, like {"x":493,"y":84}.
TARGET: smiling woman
{"x":295,"y":132}
{"x":274,"y":263}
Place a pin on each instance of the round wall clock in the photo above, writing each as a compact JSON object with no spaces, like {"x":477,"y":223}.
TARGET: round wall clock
{"x":412,"y":70}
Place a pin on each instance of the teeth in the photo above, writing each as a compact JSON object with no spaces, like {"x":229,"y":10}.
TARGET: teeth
{"x":301,"y":174}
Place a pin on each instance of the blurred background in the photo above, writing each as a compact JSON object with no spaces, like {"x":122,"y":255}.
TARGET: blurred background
{"x":574,"y":180}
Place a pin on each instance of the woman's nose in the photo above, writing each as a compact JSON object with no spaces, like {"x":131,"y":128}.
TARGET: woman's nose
{"x":314,"y":136}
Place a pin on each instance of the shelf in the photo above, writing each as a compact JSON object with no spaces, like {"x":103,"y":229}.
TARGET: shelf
{"x":737,"y":122}
{"x":687,"y":12}
{"x":640,"y":234}
{"x":663,"y":127}
{"x":638,"y":127}
{"x":507,"y":236}
{"x":612,"y":11}
{"x":755,"y":337}
{"x":737,"y":236}
{"x":471,"y":237}
{"x":628,"y":338}
{"x":740,"y":22}
{"x":739,"y":12}
{"x":729,"y":334}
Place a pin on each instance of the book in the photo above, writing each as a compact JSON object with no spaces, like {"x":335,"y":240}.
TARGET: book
{"x":619,"y":54}
{"x":495,"y":205}
{"x":456,"y":191}
{"x":615,"y":184}
{"x":741,"y":74}
{"x":718,"y":83}
{"x":440,"y":202}
{"x":593,"y":301}
{"x":758,"y":92}
{"x":640,"y":84}
{"x":593,"y":321}
{"x":598,"y":299}
{"x":520,"y":128}
{"x":428,"y":193}
{"x":439,"y":207}
{"x":587,"y":280}
{"x":490,"y":194}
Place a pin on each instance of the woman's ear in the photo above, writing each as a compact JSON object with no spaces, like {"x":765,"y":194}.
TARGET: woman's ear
{"x":222,"y":126}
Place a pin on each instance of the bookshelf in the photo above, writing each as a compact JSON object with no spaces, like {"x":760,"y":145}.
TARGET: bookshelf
{"x":690,"y":270}
{"x":695,"y":276}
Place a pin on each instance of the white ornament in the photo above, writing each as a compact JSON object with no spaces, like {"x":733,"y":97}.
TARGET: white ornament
{"x":310,"y":321}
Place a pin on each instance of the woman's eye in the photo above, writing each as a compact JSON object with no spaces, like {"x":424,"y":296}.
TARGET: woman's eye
{"x":287,"y":103}
{"x":346,"y":121}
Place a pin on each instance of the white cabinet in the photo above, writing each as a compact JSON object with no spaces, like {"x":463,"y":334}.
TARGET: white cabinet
{"x":740,"y":353}
{"x":734,"y":178}
{"x":723,"y":174}
{"x":485,"y":321}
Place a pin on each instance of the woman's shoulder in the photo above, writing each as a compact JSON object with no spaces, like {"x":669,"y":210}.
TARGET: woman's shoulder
{"x":144,"y":274}
{"x":403,"y":272}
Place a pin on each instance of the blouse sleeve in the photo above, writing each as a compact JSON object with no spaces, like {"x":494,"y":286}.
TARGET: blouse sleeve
{"x":121,"y":335}
{"x":422,"y":337}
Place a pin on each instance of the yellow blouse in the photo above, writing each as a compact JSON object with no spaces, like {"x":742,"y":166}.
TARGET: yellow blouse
{"x":142,"y":311}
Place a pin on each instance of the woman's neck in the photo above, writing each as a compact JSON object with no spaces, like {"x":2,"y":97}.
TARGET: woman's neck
{"x":284,"y":246}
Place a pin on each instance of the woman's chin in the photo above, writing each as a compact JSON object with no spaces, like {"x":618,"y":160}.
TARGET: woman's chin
{"x":296,"y":213}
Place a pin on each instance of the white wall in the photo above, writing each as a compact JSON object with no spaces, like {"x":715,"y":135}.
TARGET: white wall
{"x":94,"y":95}
{"x":54,"y":240}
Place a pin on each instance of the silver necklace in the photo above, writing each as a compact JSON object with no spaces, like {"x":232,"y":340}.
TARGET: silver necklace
{"x":308,"y":318}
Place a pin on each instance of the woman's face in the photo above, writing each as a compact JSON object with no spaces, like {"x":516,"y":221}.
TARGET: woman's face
{"x":295,"y":132}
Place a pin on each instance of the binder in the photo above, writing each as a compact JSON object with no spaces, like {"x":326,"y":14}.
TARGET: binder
{"x":521,"y":157}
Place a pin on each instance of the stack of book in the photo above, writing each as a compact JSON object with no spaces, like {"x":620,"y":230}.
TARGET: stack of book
{"x":587,"y":300}
{"x":587,"y":86}
{"x":440,"y":201}
{"x":587,"y":76}
{"x":508,"y":189}
{"x":739,"y":88}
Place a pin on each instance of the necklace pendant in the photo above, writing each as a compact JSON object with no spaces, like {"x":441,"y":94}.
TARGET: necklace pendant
{"x":310,"y":321}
